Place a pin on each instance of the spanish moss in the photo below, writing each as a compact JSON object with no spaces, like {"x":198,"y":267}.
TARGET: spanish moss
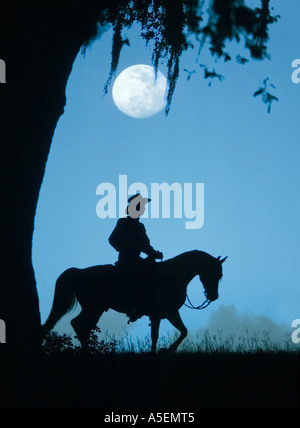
{"x":171,"y":27}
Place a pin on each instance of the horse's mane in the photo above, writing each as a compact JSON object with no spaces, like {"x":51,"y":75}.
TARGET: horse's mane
{"x":196,"y":254}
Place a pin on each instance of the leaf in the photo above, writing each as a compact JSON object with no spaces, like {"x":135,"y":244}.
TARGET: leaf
{"x":227,"y":57}
{"x":258,"y":92}
{"x":265,"y":81}
{"x":241,"y":60}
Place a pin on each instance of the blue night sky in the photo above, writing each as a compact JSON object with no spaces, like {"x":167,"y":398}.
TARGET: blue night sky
{"x":221,"y":136}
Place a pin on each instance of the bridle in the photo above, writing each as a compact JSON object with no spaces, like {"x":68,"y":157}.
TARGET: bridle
{"x":202,"y":306}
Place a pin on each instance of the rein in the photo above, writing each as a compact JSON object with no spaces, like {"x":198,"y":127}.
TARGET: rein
{"x":202,"y":306}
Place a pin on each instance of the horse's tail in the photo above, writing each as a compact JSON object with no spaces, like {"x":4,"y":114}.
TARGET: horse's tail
{"x":63,"y":302}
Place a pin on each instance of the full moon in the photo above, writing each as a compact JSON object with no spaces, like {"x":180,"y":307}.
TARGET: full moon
{"x":138,"y":94}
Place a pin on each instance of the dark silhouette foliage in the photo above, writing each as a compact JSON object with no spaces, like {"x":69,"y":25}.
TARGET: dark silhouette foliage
{"x":173,"y":26}
{"x":56,"y":344}
{"x":266,"y":96}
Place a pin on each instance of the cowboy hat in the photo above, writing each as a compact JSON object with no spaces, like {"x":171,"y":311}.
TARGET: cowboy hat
{"x":140,"y":200}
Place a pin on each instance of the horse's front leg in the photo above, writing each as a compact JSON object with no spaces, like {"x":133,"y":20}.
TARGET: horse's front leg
{"x":176,"y":321}
{"x":155,"y":322}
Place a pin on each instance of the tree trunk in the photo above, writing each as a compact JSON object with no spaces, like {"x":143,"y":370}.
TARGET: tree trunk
{"x":39,"y":45}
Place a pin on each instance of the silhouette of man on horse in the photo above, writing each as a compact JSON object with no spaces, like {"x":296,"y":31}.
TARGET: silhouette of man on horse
{"x":130,"y":239}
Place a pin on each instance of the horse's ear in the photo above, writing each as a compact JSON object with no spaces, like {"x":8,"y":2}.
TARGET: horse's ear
{"x":218,"y":258}
{"x":223,"y":260}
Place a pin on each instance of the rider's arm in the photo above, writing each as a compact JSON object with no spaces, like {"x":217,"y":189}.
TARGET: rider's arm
{"x":147,"y":248}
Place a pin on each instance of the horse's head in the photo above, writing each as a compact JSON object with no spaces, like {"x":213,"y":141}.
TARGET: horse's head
{"x":210,"y":278}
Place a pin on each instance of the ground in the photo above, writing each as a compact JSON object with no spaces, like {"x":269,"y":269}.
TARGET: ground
{"x":187,"y":380}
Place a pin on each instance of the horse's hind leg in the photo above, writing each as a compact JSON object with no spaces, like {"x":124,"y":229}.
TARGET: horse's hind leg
{"x":84,"y":323}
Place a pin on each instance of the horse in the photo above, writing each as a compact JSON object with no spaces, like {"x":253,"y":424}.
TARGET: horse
{"x":100,"y":288}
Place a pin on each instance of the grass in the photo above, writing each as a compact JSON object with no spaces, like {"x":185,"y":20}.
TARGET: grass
{"x":208,"y":371}
{"x":207,"y":342}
